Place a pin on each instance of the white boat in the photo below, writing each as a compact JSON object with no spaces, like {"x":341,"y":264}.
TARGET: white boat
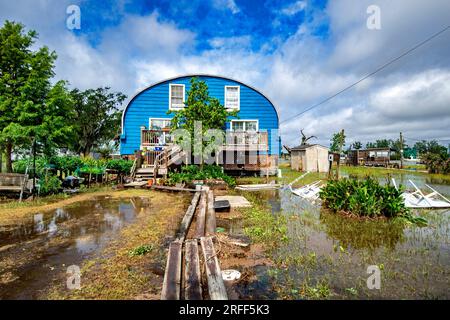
{"x":309,"y":191}
{"x":418,"y":200}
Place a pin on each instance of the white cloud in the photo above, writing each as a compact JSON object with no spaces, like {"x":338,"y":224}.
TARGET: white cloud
{"x":412,"y":95}
{"x":294,"y":8}
{"x":227,"y":4}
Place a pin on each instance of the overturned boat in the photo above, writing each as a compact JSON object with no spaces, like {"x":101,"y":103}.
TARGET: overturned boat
{"x":309,"y":191}
{"x":419,"y":200}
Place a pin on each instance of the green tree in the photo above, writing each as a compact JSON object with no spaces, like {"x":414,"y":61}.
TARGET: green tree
{"x":423,"y":147}
{"x":96,"y":118}
{"x":337,"y":142}
{"x":357,"y":145}
{"x":30,"y":107}
{"x":200,"y":106}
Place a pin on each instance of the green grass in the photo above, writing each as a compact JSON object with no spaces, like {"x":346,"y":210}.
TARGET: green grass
{"x":384,"y":172}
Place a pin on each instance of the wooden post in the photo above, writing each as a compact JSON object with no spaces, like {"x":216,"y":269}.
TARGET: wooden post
{"x":166,"y":162}
{"x":341,"y":143}
{"x":401,"y":150}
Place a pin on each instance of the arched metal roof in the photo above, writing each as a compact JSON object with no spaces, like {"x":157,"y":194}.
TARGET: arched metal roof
{"x":197,"y":75}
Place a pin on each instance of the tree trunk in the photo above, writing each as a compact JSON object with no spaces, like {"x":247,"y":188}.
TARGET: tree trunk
{"x":8,"y":154}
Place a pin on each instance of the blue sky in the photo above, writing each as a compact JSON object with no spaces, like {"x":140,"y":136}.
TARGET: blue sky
{"x":297,"y":52}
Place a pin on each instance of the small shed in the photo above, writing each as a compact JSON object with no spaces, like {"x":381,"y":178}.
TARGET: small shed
{"x":310,"y":158}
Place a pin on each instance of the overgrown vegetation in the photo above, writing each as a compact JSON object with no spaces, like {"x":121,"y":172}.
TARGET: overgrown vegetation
{"x":363,"y":198}
{"x":73,"y":164}
{"x":50,"y":185}
{"x":437,"y":163}
{"x":262,"y":226}
{"x":193,"y":172}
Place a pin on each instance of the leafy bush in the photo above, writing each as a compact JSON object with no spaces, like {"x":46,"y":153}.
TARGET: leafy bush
{"x":437,"y":163}
{"x":71,"y":164}
{"x":193,"y":172}
{"x":122,"y":166}
{"x":49,"y":185}
{"x":363,"y":198}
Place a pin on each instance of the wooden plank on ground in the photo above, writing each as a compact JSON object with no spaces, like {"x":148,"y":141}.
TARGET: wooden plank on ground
{"x":201,"y":217}
{"x":210,"y":215}
{"x":192,"y":276}
{"x":172,"y":276}
{"x":216,"y":287}
{"x":164,"y":188}
{"x":187,"y":219}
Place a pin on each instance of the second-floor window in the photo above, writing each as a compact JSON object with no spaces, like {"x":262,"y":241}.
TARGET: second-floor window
{"x":176,"y":96}
{"x":244,"y":125}
{"x":232,"y":97}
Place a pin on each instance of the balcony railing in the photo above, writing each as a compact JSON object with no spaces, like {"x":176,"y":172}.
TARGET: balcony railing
{"x":155,"y":137}
{"x":238,"y":140}
{"x":247,"y":139}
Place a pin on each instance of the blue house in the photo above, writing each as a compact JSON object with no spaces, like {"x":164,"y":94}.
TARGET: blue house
{"x":252,"y":135}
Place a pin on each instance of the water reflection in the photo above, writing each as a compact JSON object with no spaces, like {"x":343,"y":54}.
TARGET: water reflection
{"x":57,"y":238}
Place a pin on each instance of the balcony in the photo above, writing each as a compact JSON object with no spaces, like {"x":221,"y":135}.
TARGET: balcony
{"x":234,"y":140}
{"x":153,"y":138}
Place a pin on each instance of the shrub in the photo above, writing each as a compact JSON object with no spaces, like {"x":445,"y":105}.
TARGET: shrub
{"x":122,"y":166}
{"x":49,"y":185}
{"x":193,"y":172}
{"x":363,"y":198}
{"x":437,"y":163}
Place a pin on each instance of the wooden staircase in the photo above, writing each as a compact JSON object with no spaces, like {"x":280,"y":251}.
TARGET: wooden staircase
{"x":172,"y":155}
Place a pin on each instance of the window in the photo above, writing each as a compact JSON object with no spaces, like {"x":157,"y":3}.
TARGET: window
{"x":162,"y":126}
{"x":232,"y":97}
{"x":244,"y":125}
{"x":176,"y":96}
{"x":159,"y":124}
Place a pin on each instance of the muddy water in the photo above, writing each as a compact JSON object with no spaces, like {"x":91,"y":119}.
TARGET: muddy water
{"x":328,"y":250}
{"x":35,"y":252}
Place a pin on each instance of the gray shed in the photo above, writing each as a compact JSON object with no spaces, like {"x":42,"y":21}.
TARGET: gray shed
{"x":310,"y":158}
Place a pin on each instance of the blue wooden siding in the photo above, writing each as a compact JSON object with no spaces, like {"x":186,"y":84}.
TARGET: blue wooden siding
{"x":154,"y":103}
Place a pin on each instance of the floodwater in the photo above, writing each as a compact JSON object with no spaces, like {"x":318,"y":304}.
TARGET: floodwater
{"x":328,"y":255}
{"x":36,"y":252}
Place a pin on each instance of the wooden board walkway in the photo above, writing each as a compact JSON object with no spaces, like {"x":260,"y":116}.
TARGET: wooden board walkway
{"x":187,"y":219}
{"x":201,"y":217}
{"x":172,"y":275}
{"x":183,"y":277}
{"x":216,"y":287}
{"x":192,"y":275}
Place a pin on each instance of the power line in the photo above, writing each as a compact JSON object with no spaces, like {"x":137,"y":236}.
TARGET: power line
{"x":368,"y":75}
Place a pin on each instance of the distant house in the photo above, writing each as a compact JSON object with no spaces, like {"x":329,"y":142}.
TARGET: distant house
{"x":370,"y":157}
{"x":253,"y":136}
{"x":310,"y":158}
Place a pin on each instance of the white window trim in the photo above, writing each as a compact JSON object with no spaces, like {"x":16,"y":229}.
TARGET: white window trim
{"x":225,"y":98}
{"x":170,"y":95}
{"x":245,"y":120}
{"x":150,"y":121}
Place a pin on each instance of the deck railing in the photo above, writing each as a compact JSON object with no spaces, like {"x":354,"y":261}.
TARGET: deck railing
{"x":233,"y":138}
{"x":245,"y":138}
{"x":155,"y":137}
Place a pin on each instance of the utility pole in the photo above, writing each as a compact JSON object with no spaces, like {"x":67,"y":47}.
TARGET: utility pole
{"x":341,"y":144}
{"x":401,"y":150}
